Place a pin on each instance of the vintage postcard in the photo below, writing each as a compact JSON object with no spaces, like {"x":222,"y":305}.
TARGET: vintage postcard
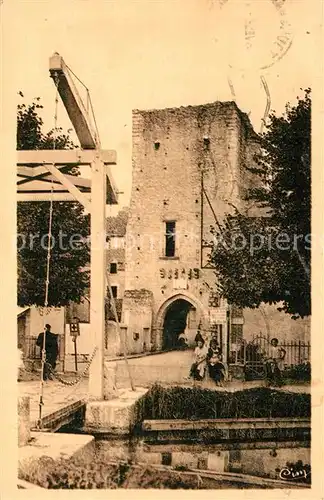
{"x":165,"y":331}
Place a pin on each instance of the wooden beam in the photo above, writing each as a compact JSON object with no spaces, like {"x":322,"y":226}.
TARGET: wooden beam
{"x":43,"y":193}
{"x":40,"y":190}
{"x":73,"y":103}
{"x":97,"y":276}
{"x":76,"y":180}
{"x":70,"y":186}
{"x":62,"y":157}
{"x":32,"y":196}
{"x":32,"y":172}
{"x":112,"y":190}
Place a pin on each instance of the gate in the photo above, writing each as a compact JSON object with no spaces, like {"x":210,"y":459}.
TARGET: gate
{"x":256,"y":353}
{"x":258,"y":350}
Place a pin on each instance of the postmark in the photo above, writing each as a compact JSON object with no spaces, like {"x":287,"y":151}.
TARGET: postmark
{"x":253,"y":35}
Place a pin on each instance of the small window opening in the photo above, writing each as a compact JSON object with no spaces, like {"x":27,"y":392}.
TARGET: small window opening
{"x":206,"y":142}
{"x":170,"y":238}
{"x":114,"y":290}
{"x":113,"y":268}
{"x":156,"y":145}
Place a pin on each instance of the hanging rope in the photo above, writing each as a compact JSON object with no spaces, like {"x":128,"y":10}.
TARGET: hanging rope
{"x":48,"y":259}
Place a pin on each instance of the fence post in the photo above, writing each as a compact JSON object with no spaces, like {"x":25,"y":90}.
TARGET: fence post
{"x":299,"y":352}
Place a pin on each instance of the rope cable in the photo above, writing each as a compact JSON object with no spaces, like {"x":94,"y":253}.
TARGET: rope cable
{"x":48,"y":259}
{"x":89,"y":101}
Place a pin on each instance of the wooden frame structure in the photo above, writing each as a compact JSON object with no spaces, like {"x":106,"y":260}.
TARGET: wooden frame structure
{"x":41,"y":177}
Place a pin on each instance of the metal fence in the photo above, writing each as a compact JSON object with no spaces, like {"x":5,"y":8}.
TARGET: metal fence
{"x":258,"y":349}
{"x":32,"y":352}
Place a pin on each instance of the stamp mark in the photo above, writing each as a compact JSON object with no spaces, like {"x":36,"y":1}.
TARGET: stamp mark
{"x":255,"y":34}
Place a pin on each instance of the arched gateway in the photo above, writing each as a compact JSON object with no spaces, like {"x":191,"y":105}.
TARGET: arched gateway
{"x":178,"y":314}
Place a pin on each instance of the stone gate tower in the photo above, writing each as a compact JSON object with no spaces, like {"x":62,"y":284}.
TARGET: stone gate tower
{"x":188,"y":171}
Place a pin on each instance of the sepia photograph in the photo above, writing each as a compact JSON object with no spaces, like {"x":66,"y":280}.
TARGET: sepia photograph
{"x":163,"y":244}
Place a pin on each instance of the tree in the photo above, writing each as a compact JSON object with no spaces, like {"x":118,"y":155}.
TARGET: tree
{"x":116,"y":226}
{"x":266,"y":258}
{"x":70,"y":229}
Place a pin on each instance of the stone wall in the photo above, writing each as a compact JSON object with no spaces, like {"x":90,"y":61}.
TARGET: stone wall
{"x":176,"y":152}
{"x":137,"y":318}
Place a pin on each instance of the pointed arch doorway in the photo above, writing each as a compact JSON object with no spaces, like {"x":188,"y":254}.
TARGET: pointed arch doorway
{"x":179,"y":314}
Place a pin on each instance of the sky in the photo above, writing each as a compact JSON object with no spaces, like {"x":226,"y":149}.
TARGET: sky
{"x":148,"y":54}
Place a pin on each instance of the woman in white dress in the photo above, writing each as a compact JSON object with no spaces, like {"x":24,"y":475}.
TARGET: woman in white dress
{"x":198,"y":368}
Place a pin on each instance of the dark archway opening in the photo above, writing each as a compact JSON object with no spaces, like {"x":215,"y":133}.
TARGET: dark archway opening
{"x":175,"y":321}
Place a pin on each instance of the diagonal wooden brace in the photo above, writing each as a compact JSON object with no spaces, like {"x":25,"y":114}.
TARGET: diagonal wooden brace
{"x":80,"y":197}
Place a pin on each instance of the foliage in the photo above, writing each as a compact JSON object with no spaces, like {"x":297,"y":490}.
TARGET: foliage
{"x":300,"y":372}
{"x":70,"y":252}
{"x":101,"y":474}
{"x":116,"y":226}
{"x":197,"y":403}
{"x":266,"y":258}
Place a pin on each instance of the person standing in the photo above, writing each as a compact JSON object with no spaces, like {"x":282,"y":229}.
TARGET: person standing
{"x":51,"y":350}
{"x":275,"y":361}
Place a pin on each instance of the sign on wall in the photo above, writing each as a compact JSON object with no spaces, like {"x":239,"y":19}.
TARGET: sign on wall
{"x":180,"y":284}
{"x":180,"y":274}
{"x":217,"y":316}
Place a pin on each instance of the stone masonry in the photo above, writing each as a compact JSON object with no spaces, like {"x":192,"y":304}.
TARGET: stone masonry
{"x":188,"y":171}
{"x":178,"y":155}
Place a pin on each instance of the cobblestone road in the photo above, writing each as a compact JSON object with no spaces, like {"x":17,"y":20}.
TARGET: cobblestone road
{"x":167,"y":368}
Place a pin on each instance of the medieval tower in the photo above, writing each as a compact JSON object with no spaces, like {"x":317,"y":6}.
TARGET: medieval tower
{"x":188,"y":171}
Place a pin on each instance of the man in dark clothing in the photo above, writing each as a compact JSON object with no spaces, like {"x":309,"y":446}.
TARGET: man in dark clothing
{"x":51,"y":350}
{"x":199,"y":337}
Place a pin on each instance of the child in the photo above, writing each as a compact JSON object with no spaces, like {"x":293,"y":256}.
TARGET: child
{"x":216,"y":368}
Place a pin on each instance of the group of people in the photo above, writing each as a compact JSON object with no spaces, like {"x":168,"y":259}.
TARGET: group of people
{"x":207,"y":359}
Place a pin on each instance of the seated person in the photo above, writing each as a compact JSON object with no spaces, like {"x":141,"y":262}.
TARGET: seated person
{"x":197,"y":370}
{"x":216,"y":367}
{"x":182,"y":341}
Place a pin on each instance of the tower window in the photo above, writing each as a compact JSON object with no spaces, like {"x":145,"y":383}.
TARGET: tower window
{"x":113,"y":268}
{"x":170,"y":238}
{"x":114,"y":290}
{"x":206,"y":142}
